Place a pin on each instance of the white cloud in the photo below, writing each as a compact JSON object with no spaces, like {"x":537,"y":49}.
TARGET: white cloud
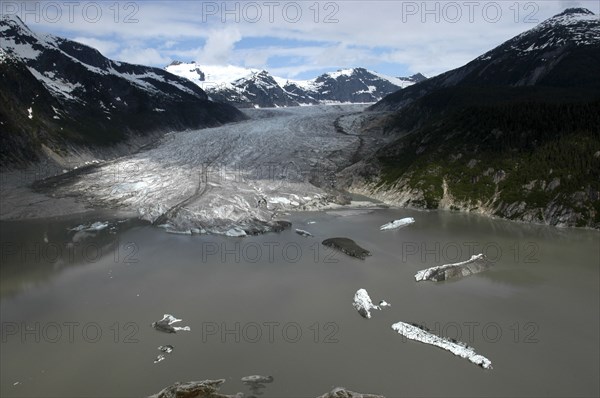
{"x":106,"y":47}
{"x":570,"y":4}
{"x":367,"y":32}
{"x":142,"y":56}
{"x":219,"y":46}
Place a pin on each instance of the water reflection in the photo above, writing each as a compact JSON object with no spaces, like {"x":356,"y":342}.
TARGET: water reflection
{"x":32,"y":252}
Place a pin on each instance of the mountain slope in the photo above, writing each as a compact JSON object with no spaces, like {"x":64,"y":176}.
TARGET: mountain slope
{"x":252,"y":87}
{"x":514,"y":133}
{"x":56,"y":93}
{"x":561,"y":52}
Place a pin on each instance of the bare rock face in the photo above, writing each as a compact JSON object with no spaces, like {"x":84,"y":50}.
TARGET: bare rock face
{"x":347,"y":246}
{"x":195,"y":389}
{"x":339,"y":392}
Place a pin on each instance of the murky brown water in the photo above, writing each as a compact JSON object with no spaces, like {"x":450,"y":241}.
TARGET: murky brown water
{"x":76,"y":318}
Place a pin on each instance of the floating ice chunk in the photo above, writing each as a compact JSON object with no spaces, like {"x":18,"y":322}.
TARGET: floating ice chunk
{"x":347,"y":246}
{"x":97,"y":226}
{"x":235,"y":232}
{"x":256,"y":383}
{"x":175,"y":232}
{"x":477,"y":263}
{"x":164,"y":325}
{"x":166,"y":348}
{"x":303,"y":232}
{"x":338,"y":392}
{"x":462,"y":350}
{"x":257,"y":379}
{"x":384,"y":304}
{"x":397,"y":224}
{"x":363,"y":304}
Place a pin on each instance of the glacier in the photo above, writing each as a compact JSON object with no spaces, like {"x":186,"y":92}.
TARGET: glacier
{"x":232,"y":180}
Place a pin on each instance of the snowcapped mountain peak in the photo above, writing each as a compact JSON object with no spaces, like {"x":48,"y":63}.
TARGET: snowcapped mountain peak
{"x":342,"y":72}
{"x":571,"y":16}
{"x":573,"y":27}
{"x":257,"y":87}
{"x":561,"y":52}
{"x":575,"y":12}
{"x":214,"y":75}
{"x":13,"y":20}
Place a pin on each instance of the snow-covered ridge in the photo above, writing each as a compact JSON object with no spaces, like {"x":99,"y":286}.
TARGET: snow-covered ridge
{"x":574,"y":26}
{"x":210,"y":76}
{"x":22,"y":43}
{"x":255,"y":87}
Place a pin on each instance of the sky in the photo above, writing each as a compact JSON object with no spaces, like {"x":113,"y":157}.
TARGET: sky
{"x":293,"y":39}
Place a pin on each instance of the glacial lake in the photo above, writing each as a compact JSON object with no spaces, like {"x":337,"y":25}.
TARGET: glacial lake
{"x":76,"y":315}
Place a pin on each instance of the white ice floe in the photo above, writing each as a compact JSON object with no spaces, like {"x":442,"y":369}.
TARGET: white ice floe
{"x":165,"y":324}
{"x":363,"y":304}
{"x":457,"y":348}
{"x":383,"y":304}
{"x":166,"y":348}
{"x":475,"y":264}
{"x":257,"y":379}
{"x":303,"y":232}
{"x":235,"y":232}
{"x":397,"y":223}
{"x":97,"y":226}
{"x":175,"y":232}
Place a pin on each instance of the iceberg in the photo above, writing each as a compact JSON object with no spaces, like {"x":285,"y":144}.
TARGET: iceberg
{"x":363,"y":304}
{"x":347,"y":246}
{"x":257,"y":379}
{"x":198,"y":389}
{"x":418,"y":333}
{"x":176,"y":232}
{"x":397,"y":224}
{"x":477,"y":263}
{"x":163,"y":348}
{"x":235,"y":232}
{"x":340,"y":392}
{"x":164,"y":325}
{"x":303,"y":232}
{"x":256,"y":383}
{"x":383,"y":304}
{"x":166,"y":348}
{"x":94,"y":227}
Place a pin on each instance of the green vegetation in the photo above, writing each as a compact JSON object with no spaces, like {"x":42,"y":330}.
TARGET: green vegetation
{"x":538,"y":152}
